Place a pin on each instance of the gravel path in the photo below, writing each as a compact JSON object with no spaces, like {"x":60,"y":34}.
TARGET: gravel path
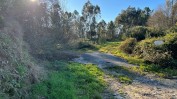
{"x":143,"y":87}
{"x":102,"y":60}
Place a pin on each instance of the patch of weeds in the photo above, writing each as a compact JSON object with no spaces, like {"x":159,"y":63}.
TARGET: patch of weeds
{"x":21,"y":69}
{"x":161,"y":72}
{"x":125,"y":79}
{"x":121,"y":92}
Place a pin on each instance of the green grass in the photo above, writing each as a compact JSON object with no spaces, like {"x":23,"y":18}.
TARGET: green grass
{"x":124,"y":79}
{"x":161,"y":72}
{"x":113,"y":48}
{"x":71,"y":81}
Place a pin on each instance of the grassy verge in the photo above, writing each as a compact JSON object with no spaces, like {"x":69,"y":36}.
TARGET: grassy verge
{"x":112,"y":47}
{"x":70,"y":81}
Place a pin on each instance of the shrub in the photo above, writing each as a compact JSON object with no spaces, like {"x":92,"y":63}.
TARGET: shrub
{"x":154,"y":32}
{"x":172,"y":29}
{"x":144,"y":45}
{"x":83,"y":45}
{"x":163,"y":59}
{"x":152,"y":53}
{"x":128,"y":45}
{"x":138,"y":32}
{"x":141,"y":32}
{"x":171,"y":43}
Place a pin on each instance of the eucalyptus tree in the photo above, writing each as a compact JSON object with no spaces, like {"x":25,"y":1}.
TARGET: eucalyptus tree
{"x":56,"y":14}
{"x":101,"y":31}
{"x":76,"y":24}
{"x":90,"y":15}
{"x":111,"y":30}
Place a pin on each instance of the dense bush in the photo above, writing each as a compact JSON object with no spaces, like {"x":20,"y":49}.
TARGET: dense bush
{"x":172,"y":29}
{"x":161,"y":58}
{"x":157,"y":54}
{"x":142,"y":46}
{"x":171,"y":43}
{"x":142,"y":32}
{"x":153,"y":32}
{"x":138,"y":32}
{"x":82,"y":45}
{"x":128,"y":45}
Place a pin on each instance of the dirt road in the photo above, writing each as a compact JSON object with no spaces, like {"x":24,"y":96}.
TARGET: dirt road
{"x":102,"y":60}
{"x":143,"y":86}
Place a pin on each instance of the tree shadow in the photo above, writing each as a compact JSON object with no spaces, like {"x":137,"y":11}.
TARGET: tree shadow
{"x":143,"y":79}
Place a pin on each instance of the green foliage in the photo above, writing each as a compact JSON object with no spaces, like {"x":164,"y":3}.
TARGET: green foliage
{"x":110,"y":31}
{"x":125,"y":79}
{"x":154,"y":32}
{"x":138,"y":32}
{"x":152,"y":53}
{"x":162,"y":55}
{"x":21,"y":69}
{"x":112,"y":47}
{"x":1,"y":22}
{"x":14,"y":59}
{"x":128,"y":45}
{"x":90,"y":15}
{"x":139,"y":60}
{"x":171,"y":43}
{"x":133,"y":17}
{"x":101,"y":30}
{"x":142,"y":32}
{"x":71,"y":81}
{"x":85,"y":45}
{"x":172,"y":29}
{"x":161,"y":72}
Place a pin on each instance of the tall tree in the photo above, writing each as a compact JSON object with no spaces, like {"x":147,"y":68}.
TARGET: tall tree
{"x":133,"y":17}
{"x":111,"y":30}
{"x":90,"y":14}
{"x":158,"y":20}
{"x":166,"y":16}
{"x":56,"y":15}
{"x":101,"y":31}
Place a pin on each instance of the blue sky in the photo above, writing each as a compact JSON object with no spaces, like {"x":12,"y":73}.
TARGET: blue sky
{"x":111,"y":8}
